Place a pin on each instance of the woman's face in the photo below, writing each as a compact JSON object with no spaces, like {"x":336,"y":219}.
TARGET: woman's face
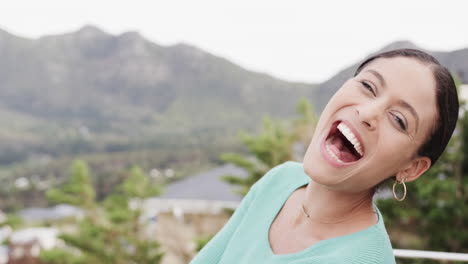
{"x":373,"y":126}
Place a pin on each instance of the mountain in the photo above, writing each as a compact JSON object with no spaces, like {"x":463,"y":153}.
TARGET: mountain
{"x":456,"y":61}
{"x":93,"y":92}
{"x":90,"y":91}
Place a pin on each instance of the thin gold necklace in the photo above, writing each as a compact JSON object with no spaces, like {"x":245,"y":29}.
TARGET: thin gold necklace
{"x":340,"y":221}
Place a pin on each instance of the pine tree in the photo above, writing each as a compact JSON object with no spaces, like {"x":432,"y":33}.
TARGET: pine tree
{"x":274,"y":145}
{"x":113,"y":232}
{"x":78,"y":191}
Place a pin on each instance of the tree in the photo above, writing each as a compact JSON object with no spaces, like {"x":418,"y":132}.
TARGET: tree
{"x":274,"y":145}
{"x":78,"y":191}
{"x":113,"y":232}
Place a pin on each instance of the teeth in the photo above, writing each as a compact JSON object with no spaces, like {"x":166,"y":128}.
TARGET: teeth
{"x":351,"y":137}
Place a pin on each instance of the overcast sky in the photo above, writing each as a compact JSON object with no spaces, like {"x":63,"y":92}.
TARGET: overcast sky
{"x":293,"y":40}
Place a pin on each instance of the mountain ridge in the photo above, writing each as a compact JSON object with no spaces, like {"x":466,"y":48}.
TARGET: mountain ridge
{"x":127,"y":90}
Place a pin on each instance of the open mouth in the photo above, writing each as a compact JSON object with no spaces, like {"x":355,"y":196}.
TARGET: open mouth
{"x":342,"y":144}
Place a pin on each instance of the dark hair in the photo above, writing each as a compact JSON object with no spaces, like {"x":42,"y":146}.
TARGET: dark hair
{"x":447,"y":100}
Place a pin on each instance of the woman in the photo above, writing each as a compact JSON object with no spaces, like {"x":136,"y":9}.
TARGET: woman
{"x":392,"y":120}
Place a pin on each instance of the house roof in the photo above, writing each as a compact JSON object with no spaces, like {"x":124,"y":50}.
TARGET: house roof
{"x":206,"y":186}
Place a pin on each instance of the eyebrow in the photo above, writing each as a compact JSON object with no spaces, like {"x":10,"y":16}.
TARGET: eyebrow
{"x":406,"y":105}
{"x":379,"y":76}
{"x":401,"y":102}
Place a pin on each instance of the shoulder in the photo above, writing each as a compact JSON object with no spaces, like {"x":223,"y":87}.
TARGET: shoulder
{"x":372,"y":247}
{"x":281,"y":169}
{"x":286,"y":173}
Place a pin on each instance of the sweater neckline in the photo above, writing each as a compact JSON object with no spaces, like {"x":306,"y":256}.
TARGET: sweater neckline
{"x":320,"y":243}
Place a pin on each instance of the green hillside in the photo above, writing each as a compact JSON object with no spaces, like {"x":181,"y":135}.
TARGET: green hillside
{"x":92,"y":92}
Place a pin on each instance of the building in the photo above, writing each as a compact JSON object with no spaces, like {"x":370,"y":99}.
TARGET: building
{"x":195,"y":207}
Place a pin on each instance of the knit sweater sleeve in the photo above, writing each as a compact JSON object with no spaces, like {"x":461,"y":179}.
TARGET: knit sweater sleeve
{"x":212,"y":252}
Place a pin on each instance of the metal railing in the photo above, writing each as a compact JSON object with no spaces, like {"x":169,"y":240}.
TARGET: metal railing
{"x":436,"y":255}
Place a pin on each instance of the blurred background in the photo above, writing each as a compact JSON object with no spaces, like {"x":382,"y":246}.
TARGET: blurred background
{"x":130,"y":130}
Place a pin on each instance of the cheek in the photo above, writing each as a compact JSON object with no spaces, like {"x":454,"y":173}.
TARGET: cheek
{"x":393,"y":151}
{"x":346,"y":95}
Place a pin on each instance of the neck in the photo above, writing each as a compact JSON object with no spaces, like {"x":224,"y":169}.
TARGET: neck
{"x":326,"y":206}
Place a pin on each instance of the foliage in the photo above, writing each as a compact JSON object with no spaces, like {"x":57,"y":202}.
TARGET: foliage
{"x":111,"y":231}
{"x":12,"y":220}
{"x":306,"y":121}
{"x":274,"y":145}
{"x":79,"y":191}
{"x":108,"y":171}
{"x":59,"y":256}
{"x":200,"y":242}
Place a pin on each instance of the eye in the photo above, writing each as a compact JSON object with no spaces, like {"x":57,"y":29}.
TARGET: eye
{"x":399,"y":121}
{"x":368,"y":87}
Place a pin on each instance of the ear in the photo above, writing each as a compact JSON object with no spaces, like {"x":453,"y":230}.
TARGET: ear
{"x":414,"y":169}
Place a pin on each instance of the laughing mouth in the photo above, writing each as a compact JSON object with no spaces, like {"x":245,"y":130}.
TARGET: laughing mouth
{"x":343,"y":145}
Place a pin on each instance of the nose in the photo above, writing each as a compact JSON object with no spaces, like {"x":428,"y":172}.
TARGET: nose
{"x":369,"y":114}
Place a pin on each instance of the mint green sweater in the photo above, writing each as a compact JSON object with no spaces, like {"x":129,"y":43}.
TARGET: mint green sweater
{"x":244,"y":238}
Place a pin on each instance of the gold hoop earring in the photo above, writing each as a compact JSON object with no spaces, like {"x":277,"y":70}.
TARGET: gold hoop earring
{"x":404,"y":190}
